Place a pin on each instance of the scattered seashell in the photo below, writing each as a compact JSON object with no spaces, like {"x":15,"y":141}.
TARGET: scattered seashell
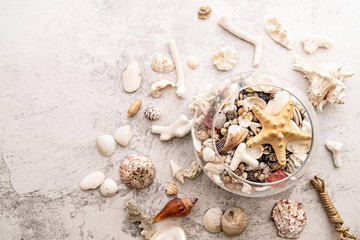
{"x":289,"y":218}
{"x":162,"y":64}
{"x":225,"y":59}
{"x":169,"y":232}
{"x":215,"y":168}
{"x":92,"y":181}
{"x":220,"y":120}
{"x":232,"y":139}
{"x":152,"y":113}
{"x":177,"y":171}
{"x":172,"y":189}
{"x":160,"y":84}
{"x":276,"y":136}
{"x":137,"y":171}
{"x":234,"y":221}
{"x":274,"y":106}
{"x":249,"y":102}
{"x":255,"y":40}
{"x":204,"y":11}
{"x":193,"y":62}
{"x":240,"y":156}
{"x":109,"y":188}
{"x":312,"y":43}
{"x":277,"y":32}
{"x":325,"y":80}
{"x":212,"y":220}
{"x":134,"y":107}
{"x":255,"y":152}
{"x":106,"y":145}
{"x":136,"y":215}
{"x":335,"y":148}
{"x":208,"y":154}
{"x":132,"y":77}
{"x":123,"y":135}
{"x":295,"y":161}
{"x":180,"y":128}
{"x":176,"y":208}
{"x":180,"y":85}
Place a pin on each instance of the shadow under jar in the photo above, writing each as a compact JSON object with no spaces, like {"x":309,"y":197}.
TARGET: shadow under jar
{"x":224,"y":123}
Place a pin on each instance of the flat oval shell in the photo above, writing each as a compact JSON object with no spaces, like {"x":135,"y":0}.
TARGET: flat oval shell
{"x":106,"y":145}
{"x":132,"y":77}
{"x":109,"y":188}
{"x":92,"y":180}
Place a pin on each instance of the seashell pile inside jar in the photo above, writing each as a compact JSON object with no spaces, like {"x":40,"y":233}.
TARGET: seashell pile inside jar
{"x":260,"y":134}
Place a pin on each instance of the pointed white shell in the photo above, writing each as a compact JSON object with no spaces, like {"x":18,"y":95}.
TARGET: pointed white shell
{"x":123,"y":135}
{"x":215,"y":168}
{"x":208,"y":154}
{"x":109,"y":188}
{"x":225,"y":59}
{"x":132,"y":77}
{"x":106,"y":144}
{"x":177,"y":171}
{"x":193,"y":62}
{"x":277,"y":32}
{"x":169,"y":233}
{"x":162,"y":64}
{"x":212,"y":220}
{"x":160,"y":84}
{"x":92,"y":180}
{"x":274,"y":106}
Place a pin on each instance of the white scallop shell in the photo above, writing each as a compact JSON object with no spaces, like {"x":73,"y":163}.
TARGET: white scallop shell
{"x":123,"y":135}
{"x":106,"y":144}
{"x":169,"y":233}
{"x":212,"y":220}
{"x":193,"y":62}
{"x":92,"y":180}
{"x":132,"y":77}
{"x":162,"y":64}
{"x":109,"y":188}
{"x":225,"y":59}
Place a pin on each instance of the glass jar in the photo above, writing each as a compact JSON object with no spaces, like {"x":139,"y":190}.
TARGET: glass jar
{"x":212,"y":102}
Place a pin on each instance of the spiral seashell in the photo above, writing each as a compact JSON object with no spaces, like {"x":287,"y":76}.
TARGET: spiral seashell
{"x":234,"y":221}
{"x":137,"y":171}
{"x":176,"y":208}
{"x":152,"y":113}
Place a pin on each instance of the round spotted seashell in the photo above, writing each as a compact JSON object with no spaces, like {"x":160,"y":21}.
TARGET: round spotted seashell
{"x":137,"y":171}
{"x":152,"y":113}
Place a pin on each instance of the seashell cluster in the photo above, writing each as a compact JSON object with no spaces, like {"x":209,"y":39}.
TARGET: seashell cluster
{"x":169,"y":232}
{"x":171,"y":189}
{"x":106,"y":145}
{"x":160,"y":84}
{"x":137,"y":171}
{"x":204,"y":11}
{"x":312,"y":43}
{"x":134,"y":108}
{"x":152,"y":113}
{"x":179,"y":128}
{"x":162,"y":64}
{"x":132,"y":77}
{"x":326,"y":81}
{"x":225,"y":59}
{"x":176,"y":208}
{"x":136,"y":215}
{"x":289,"y":218}
{"x":277,"y":32}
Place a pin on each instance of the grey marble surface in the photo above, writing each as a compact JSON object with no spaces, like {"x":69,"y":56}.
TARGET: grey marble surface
{"x":60,"y":87}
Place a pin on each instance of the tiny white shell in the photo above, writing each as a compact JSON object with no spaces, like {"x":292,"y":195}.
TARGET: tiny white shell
{"x":162,"y":64}
{"x":123,"y":135}
{"x":212,"y":220}
{"x":215,"y":168}
{"x":160,"y":84}
{"x":208,"y":154}
{"x":106,"y":144}
{"x":193,"y":62}
{"x":169,"y":233}
{"x":132,"y":77}
{"x":225,"y":59}
{"x":109,"y":188}
{"x":92,"y":180}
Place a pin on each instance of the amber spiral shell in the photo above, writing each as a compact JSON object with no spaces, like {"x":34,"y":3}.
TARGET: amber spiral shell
{"x":176,"y":208}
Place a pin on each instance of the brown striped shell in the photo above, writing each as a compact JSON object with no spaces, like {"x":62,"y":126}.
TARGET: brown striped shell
{"x":137,"y":171}
{"x":176,"y":208}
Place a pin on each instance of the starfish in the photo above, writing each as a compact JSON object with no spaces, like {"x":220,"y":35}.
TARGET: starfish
{"x":277,"y":131}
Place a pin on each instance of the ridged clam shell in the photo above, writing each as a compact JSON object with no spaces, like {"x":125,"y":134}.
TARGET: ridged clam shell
{"x":232,"y":139}
{"x":137,"y":171}
{"x":212,"y":220}
{"x":162,"y":64}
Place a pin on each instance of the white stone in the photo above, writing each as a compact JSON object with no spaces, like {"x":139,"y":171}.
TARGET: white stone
{"x":123,"y":135}
{"x":109,"y":188}
{"x":106,"y":144}
{"x":92,"y":180}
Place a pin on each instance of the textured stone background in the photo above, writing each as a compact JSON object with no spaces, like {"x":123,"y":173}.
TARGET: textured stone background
{"x":60,"y":87}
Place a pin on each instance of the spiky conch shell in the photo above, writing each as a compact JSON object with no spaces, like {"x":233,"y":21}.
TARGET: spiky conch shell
{"x":176,"y":208}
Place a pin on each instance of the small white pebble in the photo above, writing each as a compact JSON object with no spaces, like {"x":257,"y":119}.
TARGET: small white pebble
{"x":92,"y":180}
{"x":109,"y":188}
{"x":193,"y":62}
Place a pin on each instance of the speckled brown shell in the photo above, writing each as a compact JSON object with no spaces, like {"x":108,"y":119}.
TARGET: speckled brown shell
{"x":137,"y":171}
{"x":152,"y":113}
{"x":289,"y":218}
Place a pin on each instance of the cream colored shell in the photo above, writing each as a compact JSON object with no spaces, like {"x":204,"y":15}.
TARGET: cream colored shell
{"x":162,"y":64}
{"x":225,"y":59}
{"x":169,"y":233}
{"x":106,"y":144}
{"x":123,"y":135}
{"x":92,"y":180}
{"x":212,"y":220}
{"x":277,"y":32}
{"x":160,"y":84}
{"x":193,"y":62}
{"x":171,"y":189}
{"x":312,"y":43}
{"x":132,"y":77}
{"x":234,"y":221}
